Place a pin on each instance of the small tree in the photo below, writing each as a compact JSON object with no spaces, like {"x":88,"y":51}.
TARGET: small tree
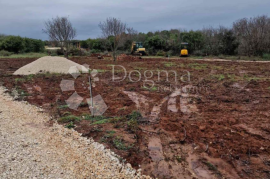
{"x":113,"y":27}
{"x":60,"y":30}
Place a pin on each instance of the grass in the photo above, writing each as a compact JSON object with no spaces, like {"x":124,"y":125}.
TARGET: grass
{"x":119,"y":144}
{"x":150,"y":89}
{"x":213,"y":168}
{"x":198,"y":66}
{"x":103,"y":121}
{"x":63,"y":106}
{"x":169,"y":64}
{"x":134,"y":115}
{"x":110,"y":132}
{"x":266,"y":56}
{"x":70,"y":125}
{"x":220,"y":77}
{"x":26,"y":55}
{"x":19,"y":80}
{"x":101,"y":70}
{"x":70,"y":118}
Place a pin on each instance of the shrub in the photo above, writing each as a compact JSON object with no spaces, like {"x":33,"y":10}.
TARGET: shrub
{"x":13,"y":44}
{"x":160,"y":53}
{"x":5,"y":53}
{"x":266,"y":56}
{"x":75,"y":52}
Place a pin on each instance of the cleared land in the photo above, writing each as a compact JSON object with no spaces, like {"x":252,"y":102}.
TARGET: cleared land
{"x":219,"y":129}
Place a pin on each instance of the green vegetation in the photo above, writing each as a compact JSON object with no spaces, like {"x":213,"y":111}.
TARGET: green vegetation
{"x":103,"y":121}
{"x":62,"y":106}
{"x":220,"y":77}
{"x":19,"y":80}
{"x":110,"y":132}
{"x":198,"y":66}
{"x":5,"y":53}
{"x":17,"y":44}
{"x":119,"y":144}
{"x":266,"y":56}
{"x":25,"y":55}
{"x":150,"y":89}
{"x":70,"y":118}
{"x":213,"y":168}
{"x":135,"y":115}
{"x":70,"y":125}
{"x":169,"y":64}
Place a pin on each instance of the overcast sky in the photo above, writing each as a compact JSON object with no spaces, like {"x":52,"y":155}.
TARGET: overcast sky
{"x":26,"y":17}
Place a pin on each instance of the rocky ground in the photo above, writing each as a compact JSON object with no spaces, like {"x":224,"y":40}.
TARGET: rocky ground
{"x":32,"y":147}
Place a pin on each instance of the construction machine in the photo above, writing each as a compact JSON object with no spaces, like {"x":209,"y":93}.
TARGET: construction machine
{"x":137,"y":49}
{"x":184,"y":51}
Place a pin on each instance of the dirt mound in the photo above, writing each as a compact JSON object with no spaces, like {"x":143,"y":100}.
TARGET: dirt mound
{"x":47,"y":64}
{"x":127,"y":57}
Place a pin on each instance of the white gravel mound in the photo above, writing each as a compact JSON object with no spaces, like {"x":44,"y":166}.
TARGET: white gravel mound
{"x":48,"y":64}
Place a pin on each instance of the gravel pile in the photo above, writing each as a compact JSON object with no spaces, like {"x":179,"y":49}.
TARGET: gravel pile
{"x":30,"y":148}
{"x":47,"y":64}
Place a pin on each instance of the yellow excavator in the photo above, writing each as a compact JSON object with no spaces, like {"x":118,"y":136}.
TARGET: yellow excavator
{"x":184,"y":51}
{"x":137,"y":49}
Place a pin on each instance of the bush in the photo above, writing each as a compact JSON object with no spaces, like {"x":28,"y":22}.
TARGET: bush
{"x":5,"y":53}
{"x":75,"y":52}
{"x":13,"y":44}
{"x":266,"y":56}
{"x":160,"y":53}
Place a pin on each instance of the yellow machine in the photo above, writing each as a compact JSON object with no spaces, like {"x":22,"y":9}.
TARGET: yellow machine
{"x":137,"y":49}
{"x":184,"y":51}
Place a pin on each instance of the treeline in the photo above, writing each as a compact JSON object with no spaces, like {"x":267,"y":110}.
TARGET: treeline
{"x":17,"y":44}
{"x":245,"y":37}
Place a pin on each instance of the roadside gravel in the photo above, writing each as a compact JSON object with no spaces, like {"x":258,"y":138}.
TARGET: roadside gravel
{"x":30,"y":148}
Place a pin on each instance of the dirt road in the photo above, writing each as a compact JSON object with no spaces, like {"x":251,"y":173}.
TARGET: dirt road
{"x":30,"y":147}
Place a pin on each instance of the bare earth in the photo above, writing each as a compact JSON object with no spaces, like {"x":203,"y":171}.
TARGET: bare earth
{"x":31,"y":148}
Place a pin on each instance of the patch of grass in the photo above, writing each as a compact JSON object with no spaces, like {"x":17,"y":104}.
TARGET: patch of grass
{"x":198,"y":66}
{"x":180,"y":159}
{"x":116,"y":120}
{"x":133,"y":125}
{"x":93,"y":118}
{"x":110,"y":132}
{"x":70,"y":125}
{"x":100,"y":70}
{"x":66,"y":113}
{"x":21,"y":92}
{"x":119,"y":144}
{"x":150,"y":89}
{"x":169,"y":64}
{"x":29,"y":77}
{"x":268,"y":88}
{"x":232,"y":77}
{"x":70,"y":118}
{"x":212,"y":168}
{"x":26,"y":55}
{"x":62,"y":106}
{"x":19,"y":80}
{"x":103,"y":121}
{"x":220,"y":77}
{"x":135,"y":115}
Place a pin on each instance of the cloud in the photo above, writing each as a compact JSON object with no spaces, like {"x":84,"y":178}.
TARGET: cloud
{"x":26,"y":18}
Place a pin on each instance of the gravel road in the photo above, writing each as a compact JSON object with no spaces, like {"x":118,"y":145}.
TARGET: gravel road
{"x":30,"y":148}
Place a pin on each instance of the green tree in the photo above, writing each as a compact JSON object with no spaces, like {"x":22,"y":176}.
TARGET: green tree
{"x":13,"y":44}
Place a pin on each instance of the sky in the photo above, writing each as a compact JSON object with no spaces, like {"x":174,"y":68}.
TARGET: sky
{"x":26,"y":17}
